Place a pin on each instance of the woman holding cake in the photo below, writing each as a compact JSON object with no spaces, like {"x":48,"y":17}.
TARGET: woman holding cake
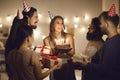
{"x":59,"y":39}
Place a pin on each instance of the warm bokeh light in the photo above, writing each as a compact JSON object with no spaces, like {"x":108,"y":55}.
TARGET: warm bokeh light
{"x":43,"y":37}
{"x":36,"y":34}
{"x":1,"y":25}
{"x":75,"y":26}
{"x":40,"y":15}
{"x":8,"y":18}
{"x":65,"y":20}
{"x":76,"y":19}
{"x":65,"y":30}
{"x":86,"y":17}
{"x":83,"y":29}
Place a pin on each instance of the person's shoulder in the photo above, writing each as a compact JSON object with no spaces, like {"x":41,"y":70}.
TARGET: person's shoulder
{"x":12,"y":53}
{"x":25,"y":51}
{"x":46,"y":38}
{"x":30,"y":51}
{"x":69,"y":35}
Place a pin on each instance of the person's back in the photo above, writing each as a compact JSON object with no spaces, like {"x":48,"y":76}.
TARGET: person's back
{"x":23,"y":61}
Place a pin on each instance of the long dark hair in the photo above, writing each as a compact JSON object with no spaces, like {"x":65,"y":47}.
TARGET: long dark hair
{"x":16,"y":38}
{"x":22,"y":33}
{"x":97,"y":34}
{"x":18,"y":32}
{"x":52,"y":32}
{"x":10,"y":43}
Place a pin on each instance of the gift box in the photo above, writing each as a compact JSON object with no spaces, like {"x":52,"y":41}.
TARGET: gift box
{"x":47,"y":60}
{"x":50,"y":61}
{"x":43,"y":50}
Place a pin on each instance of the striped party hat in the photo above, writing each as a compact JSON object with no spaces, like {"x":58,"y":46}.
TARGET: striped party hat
{"x":111,"y":11}
{"x":19,"y":15}
{"x":51,"y":15}
{"x":26,"y":7}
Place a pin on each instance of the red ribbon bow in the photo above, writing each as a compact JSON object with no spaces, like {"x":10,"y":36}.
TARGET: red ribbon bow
{"x":46,"y":56}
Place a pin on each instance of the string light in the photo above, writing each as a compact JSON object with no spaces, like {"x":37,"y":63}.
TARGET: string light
{"x":75,"y":26}
{"x":1,"y":25}
{"x":76,"y":19}
{"x":65,"y":30}
{"x":86,"y":17}
{"x":36,"y":33}
{"x":8,"y":18}
{"x":65,"y":20}
{"x":43,"y":37}
{"x":83,"y":29}
{"x":40,"y":15}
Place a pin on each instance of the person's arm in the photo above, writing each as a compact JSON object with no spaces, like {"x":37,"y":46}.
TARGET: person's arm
{"x":37,"y":68}
{"x":90,"y":49}
{"x":110,"y":63}
{"x":71,"y":42}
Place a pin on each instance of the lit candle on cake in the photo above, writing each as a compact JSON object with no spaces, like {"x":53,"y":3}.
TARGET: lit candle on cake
{"x":62,"y":41}
{"x":66,"y":41}
{"x":62,"y":44}
{"x":59,"y":41}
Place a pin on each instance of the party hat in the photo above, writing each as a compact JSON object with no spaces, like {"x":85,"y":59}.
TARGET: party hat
{"x":51,"y":15}
{"x":19,"y":15}
{"x":111,"y":11}
{"x":26,"y":7}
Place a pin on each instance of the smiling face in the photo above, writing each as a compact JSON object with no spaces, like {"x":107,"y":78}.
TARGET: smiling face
{"x":33,"y":20}
{"x":91,"y":32}
{"x":94,"y":31}
{"x":58,"y":25}
{"x":91,"y":28}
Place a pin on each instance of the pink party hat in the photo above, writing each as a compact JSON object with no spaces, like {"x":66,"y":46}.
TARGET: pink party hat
{"x":111,"y":11}
{"x":26,"y":7}
{"x":19,"y":15}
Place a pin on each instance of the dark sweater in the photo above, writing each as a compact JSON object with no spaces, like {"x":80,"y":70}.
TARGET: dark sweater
{"x":109,"y":68}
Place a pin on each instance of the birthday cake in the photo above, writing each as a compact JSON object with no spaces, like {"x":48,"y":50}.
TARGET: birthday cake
{"x":63,"y":48}
{"x":67,"y":46}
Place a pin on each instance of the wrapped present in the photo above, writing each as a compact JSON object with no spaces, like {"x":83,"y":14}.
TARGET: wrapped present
{"x":43,"y":50}
{"x":49,"y":61}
